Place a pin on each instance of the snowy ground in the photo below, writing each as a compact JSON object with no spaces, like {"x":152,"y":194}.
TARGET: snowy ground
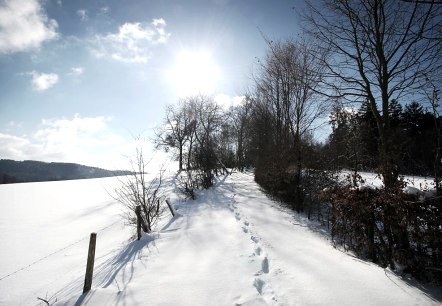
{"x":424,"y":185}
{"x":232,"y":246}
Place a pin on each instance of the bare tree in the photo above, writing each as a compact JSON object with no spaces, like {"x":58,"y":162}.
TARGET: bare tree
{"x":381,"y":50}
{"x":177,"y":130}
{"x":138,"y":190}
{"x":189,"y":109}
{"x":195,"y":129}
{"x":208,"y":123}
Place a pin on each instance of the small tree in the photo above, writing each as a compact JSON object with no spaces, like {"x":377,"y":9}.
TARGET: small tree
{"x":137,"y":190}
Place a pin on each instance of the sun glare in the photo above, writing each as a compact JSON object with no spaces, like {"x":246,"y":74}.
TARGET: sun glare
{"x":194,"y":72}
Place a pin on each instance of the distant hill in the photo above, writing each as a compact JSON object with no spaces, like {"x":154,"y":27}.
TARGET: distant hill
{"x":35,"y":171}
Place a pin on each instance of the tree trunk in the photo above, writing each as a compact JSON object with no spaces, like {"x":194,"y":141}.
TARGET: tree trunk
{"x":371,"y":237}
{"x":388,"y":166}
{"x":298,"y":177}
{"x":180,"y":166}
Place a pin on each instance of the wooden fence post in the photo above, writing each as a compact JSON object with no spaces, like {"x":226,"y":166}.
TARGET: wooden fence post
{"x":90,"y":263}
{"x":172,"y":211}
{"x":138,"y":213}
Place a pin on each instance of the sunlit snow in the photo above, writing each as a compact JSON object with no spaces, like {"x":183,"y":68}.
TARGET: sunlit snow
{"x":231,"y":246}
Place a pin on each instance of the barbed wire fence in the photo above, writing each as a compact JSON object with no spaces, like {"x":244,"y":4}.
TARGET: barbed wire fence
{"x":55,"y":252}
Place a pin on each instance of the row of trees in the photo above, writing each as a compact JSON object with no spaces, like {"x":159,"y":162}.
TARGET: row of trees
{"x":354,"y":141}
{"x":201,"y":137}
{"x":271,"y":130}
{"x":8,"y":179}
{"x":288,"y":106}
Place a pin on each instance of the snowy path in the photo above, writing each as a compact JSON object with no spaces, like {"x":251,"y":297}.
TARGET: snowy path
{"x":234,"y":246}
{"x":304,"y":268}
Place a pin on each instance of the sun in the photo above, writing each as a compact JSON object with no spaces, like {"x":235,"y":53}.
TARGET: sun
{"x":194,"y":72}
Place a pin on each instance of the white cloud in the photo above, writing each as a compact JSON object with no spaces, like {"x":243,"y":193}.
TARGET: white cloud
{"x":158,"y":22}
{"x":133,"y":41}
{"x":83,"y":15}
{"x":226,"y":101}
{"x":43,"y":81}
{"x":85,"y":140}
{"x":18,"y":148}
{"x":24,"y":26}
{"x":76,"y":71}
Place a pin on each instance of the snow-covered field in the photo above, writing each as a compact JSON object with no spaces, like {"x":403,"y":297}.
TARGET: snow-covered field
{"x":231,"y":246}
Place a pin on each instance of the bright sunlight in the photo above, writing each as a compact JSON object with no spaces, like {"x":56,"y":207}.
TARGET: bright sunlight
{"x":194,"y":72}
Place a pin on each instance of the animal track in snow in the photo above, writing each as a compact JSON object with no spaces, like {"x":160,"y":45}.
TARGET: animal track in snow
{"x":258,"y":251}
{"x":245,"y":229}
{"x":254,"y":239}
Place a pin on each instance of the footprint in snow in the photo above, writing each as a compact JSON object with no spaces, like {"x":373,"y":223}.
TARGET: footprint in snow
{"x":237,"y":216}
{"x":258,"y":251}
{"x":246,"y":223}
{"x":265,"y":265}
{"x":245,"y":229}
{"x":259,"y":285}
{"x":254,"y":239}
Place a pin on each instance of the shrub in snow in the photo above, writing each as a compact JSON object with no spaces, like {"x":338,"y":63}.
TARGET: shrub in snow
{"x":140,"y":190}
{"x":302,"y":193}
{"x":390,"y":227}
{"x":188,"y":183}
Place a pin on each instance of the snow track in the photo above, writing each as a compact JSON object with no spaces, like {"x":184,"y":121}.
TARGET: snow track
{"x":305,"y":269}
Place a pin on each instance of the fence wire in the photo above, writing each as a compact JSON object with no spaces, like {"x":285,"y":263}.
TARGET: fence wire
{"x":57,"y":251}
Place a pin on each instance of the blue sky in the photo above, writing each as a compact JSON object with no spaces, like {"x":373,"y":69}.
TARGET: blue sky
{"x":79,"y":79}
